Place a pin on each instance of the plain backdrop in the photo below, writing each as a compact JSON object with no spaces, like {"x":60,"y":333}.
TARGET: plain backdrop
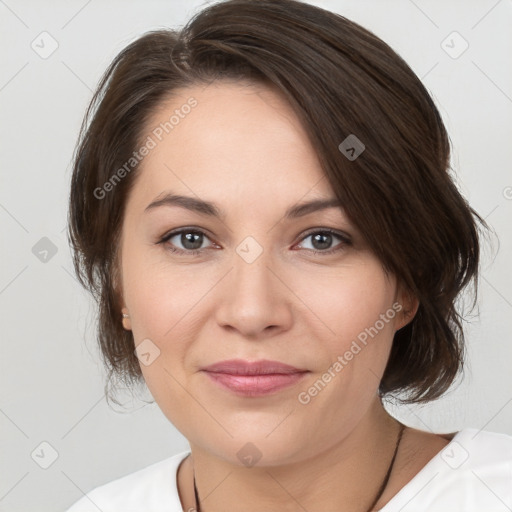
{"x":59,"y":438}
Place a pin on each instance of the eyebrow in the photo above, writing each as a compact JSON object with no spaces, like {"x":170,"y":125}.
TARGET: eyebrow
{"x":210,"y":209}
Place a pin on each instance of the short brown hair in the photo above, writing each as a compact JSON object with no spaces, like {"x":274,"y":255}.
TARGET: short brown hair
{"x":340,"y":79}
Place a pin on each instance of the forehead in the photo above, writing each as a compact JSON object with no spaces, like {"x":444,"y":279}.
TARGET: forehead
{"x":239,"y":142}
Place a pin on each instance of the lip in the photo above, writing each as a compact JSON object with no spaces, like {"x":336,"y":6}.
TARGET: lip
{"x":255,"y":385}
{"x":261,"y":367}
{"x":258,"y":378}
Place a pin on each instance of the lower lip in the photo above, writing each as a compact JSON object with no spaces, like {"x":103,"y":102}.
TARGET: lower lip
{"x":255,"y":385}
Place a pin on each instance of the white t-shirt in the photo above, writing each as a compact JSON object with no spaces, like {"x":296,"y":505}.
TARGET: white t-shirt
{"x":473,"y":473}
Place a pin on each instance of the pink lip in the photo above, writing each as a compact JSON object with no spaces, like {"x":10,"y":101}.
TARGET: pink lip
{"x":254,"y":378}
{"x":241,"y":367}
{"x":255,"y":385}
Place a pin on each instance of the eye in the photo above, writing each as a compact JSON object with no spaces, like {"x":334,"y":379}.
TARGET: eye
{"x":321,"y":241}
{"x":190,"y":239}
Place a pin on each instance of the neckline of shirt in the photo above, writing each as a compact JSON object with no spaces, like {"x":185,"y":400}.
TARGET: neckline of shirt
{"x":426,"y":474}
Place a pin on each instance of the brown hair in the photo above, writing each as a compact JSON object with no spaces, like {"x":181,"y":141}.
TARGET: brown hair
{"x":340,"y":80}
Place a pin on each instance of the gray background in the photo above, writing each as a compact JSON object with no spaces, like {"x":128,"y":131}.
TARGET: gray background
{"x":51,"y":377}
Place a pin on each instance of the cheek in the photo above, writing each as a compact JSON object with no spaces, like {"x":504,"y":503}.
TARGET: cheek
{"x":348,"y":300}
{"x":348,"y":306}
{"x":157,"y":295}
{"x":166,"y":304}
{"x":353,"y":340}
{"x":161,"y":301}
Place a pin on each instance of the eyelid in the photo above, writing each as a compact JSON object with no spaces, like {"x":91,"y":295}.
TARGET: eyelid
{"x":345,"y":241}
{"x":187,"y":229}
{"x":340,"y":234}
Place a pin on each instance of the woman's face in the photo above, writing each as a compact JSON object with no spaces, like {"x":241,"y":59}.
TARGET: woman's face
{"x":255,"y":289}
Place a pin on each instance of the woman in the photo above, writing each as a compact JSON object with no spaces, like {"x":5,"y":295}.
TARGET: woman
{"x":261,"y":205}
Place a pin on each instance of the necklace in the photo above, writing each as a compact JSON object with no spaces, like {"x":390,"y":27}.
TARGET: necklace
{"x":379,"y":493}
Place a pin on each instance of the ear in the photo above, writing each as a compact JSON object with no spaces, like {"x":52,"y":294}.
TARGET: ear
{"x":409,"y":306}
{"x":125,"y":313}
{"x":118,"y":292}
{"x":125,"y":317}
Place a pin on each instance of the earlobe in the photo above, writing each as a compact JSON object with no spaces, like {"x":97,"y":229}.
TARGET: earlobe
{"x":126,"y":319}
{"x":125,"y":316}
{"x":410,"y":305}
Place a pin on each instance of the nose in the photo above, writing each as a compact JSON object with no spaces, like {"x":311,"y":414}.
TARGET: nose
{"x":254,"y":299}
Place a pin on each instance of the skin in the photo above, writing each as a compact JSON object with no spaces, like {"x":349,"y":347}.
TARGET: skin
{"x":243,"y":148}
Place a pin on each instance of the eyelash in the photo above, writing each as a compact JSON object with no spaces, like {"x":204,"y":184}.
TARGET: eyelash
{"x":345,"y":241}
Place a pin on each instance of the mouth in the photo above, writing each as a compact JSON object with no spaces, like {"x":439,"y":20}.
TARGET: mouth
{"x":252,"y":379}
{"x":243,"y":367}
{"x":255,"y":385}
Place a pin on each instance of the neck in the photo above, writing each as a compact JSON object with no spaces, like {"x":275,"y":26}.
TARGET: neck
{"x":350,"y":471}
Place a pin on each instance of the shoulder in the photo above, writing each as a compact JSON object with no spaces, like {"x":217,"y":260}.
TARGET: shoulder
{"x":472,"y":449}
{"x":473,"y":472}
{"x":152,"y":489}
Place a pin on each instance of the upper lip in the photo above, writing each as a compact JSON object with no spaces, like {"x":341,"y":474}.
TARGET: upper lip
{"x":241,"y":367}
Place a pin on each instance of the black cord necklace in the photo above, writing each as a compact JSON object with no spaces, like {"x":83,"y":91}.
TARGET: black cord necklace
{"x":381,"y":489}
